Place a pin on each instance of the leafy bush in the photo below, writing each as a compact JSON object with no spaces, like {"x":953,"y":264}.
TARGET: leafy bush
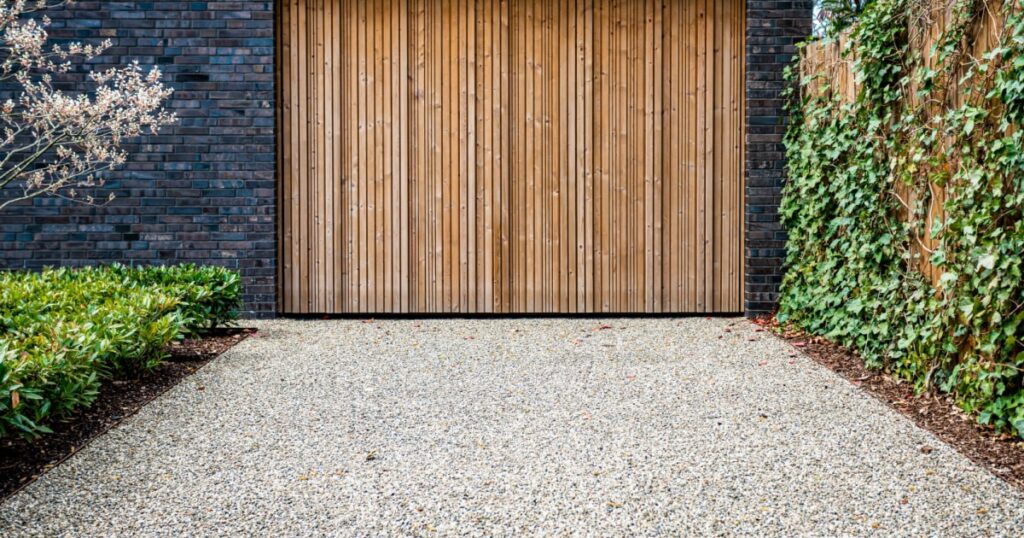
{"x":208,"y":296}
{"x":853,"y":267}
{"x":64,"y":330}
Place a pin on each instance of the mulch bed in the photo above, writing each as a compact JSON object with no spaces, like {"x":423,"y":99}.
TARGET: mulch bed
{"x":22,"y":461}
{"x":1002,"y":454}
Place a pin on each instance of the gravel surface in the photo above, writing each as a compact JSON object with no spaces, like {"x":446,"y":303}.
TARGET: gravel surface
{"x":541,"y":426}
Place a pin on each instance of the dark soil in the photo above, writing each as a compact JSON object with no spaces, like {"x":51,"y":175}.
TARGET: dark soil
{"x":23,"y":461}
{"x":1001,"y":454}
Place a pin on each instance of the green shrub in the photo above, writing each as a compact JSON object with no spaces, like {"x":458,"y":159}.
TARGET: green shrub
{"x":64,"y":330}
{"x":36,"y":385}
{"x":209,"y":296}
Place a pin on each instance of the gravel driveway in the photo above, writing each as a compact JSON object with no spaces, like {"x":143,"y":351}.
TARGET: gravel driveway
{"x":542,"y":426}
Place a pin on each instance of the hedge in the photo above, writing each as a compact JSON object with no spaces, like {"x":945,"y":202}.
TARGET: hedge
{"x":62,"y":331}
{"x":853,"y":262}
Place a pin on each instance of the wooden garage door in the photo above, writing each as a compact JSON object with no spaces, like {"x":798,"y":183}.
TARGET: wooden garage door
{"x":517,"y":156}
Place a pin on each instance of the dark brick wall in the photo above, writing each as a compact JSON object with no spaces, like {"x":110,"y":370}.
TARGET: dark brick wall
{"x":774,"y":27}
{"x":201,"y":191}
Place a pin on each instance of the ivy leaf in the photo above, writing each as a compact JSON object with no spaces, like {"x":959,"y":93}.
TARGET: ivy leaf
{"x":855,"y":306}
{"x":1018,"y":424}
{"x":987,"y":261}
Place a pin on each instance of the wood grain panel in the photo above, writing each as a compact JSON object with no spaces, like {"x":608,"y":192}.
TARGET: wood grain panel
{"x":511,"y":156}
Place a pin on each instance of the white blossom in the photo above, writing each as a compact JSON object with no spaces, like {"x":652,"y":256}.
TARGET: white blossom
{"x":58,"y":143}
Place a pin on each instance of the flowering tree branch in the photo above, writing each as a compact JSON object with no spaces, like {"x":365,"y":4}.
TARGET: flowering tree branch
{"x":56,"y":144}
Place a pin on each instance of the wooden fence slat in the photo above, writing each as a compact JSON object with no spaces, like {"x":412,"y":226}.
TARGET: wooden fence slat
{"x":603,"y":134}
{"x":587,"y":115}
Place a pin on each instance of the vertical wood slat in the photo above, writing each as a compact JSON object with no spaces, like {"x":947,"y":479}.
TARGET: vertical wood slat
{"x":511,"y":155}
{"x":305,"y":155}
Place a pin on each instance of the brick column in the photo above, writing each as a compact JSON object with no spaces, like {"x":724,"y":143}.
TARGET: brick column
{"x":774,"y":27}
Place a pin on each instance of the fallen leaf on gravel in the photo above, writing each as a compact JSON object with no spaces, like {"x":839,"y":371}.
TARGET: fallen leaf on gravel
{"x":604,"y":328}
{"x":925,"y":449}
{"x":613,"y":504}
{"x":371,"y":455}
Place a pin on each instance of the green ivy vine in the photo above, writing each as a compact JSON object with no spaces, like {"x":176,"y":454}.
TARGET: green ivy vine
{"x":852,"y":257}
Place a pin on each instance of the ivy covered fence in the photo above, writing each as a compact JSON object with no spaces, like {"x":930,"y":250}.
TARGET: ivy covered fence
{"x":905,"y":198}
